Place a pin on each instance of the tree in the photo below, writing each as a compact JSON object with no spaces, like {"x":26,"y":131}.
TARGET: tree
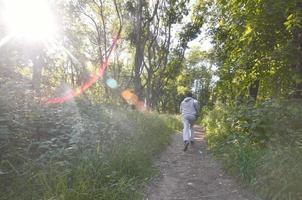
{"x":252,"y":45}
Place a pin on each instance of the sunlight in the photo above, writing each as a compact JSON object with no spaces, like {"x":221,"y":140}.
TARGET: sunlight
{"x":5,"y":40}
{"x":31,"y":19}
{"x":101,"y":70}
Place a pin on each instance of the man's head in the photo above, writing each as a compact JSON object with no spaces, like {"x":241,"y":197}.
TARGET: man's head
{"x":189,"y":94}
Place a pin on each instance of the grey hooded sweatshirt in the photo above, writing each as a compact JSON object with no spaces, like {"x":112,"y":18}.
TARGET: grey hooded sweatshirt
{"x":189,"y":106}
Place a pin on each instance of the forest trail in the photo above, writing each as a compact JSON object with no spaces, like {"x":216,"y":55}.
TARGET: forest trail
{"x":193,"y":174}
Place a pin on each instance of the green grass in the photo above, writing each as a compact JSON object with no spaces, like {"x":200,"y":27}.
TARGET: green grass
{"x":261,"y":144}
{"x":86,"y":152}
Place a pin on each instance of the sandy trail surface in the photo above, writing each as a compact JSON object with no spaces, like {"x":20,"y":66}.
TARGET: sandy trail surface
{"x":193,"y":174}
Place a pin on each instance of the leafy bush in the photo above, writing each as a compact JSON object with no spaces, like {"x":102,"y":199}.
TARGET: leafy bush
{"x":77,"y":150}
{"x":261,"y":143}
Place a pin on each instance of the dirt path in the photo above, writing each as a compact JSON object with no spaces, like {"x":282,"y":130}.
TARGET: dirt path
{"x":192,"y":175}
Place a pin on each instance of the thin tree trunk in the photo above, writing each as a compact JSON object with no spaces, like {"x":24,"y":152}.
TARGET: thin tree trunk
{"x":253,"y":90}
{"x":298,"y":42}
{"x":139,"y":49}
{"x":37,"y":72}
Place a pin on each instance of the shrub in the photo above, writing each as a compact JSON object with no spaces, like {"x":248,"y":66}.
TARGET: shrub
{"x":261,"y":143}
{"x":78,"y":151}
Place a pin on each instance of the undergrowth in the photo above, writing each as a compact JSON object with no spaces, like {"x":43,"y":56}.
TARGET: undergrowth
{"x":261,"y":143}
{"x":76,"y":150}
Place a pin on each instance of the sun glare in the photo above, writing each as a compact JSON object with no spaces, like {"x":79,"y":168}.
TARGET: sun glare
{"x":31,"y":19}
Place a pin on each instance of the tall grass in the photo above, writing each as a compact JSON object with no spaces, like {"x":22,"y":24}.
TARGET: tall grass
{"x":81,"y":152}
{"x":262,"y":144}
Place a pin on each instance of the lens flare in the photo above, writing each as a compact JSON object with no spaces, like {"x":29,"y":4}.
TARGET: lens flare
{"x":130,"y":97}
{"x":133,"y":100}
{"x":87,"y":84}
{"x":5,"y":40}
{"x":111,"y":83}
{"x":140,"y":106}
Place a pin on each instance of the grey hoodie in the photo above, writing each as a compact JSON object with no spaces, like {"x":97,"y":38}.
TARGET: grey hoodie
{"x":189,"y":106}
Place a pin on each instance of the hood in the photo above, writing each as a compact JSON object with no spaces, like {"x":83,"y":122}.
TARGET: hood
{"x":187,"y":99}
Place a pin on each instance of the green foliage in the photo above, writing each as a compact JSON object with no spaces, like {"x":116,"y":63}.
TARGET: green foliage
{"x":173,"y":121}
{"x":200,"y":65}
{"x":254,"y":41}
{"x":78,"y":151}
{"x":260,"y":143}
{"x":257,"y":51}
{"x":279,"y":174}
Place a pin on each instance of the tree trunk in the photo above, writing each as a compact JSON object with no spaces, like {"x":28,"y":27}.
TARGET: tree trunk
{"x":298,"y":42}
{"x":139,"y":49}
{"x":149,"y":89}
{"x":299,"y":67}
{"x":37,"y":72}
{"x":253,"y":90}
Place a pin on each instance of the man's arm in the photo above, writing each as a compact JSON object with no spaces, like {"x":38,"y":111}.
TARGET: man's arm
{"x":180,"y":109}
{"x":196,"y":106}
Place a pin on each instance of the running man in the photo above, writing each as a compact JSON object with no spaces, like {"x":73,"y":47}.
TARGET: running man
{"x":189,"y":110}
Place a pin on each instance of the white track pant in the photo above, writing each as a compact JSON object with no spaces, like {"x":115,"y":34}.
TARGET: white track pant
{"x":188,"y":132}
